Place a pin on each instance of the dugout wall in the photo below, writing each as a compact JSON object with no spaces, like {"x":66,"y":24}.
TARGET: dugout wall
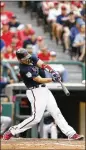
{"x":73,"y":108}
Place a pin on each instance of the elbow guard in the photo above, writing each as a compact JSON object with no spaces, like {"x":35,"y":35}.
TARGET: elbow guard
{"x":47,"y":68}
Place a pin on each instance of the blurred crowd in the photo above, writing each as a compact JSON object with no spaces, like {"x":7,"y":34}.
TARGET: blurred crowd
{"x":65,"y":22}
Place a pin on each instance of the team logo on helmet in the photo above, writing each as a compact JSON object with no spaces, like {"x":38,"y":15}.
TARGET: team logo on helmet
{"x":25,"y":54}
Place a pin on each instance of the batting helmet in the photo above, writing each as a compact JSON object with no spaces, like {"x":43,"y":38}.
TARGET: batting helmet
{"x":22,"y":54}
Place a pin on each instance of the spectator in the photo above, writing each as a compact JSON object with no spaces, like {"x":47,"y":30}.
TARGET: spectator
{"x":5,"y":123}
{"x":7,"y":76}
{"x":66,"y":30}
{"x":65,"y":4}
{"x":75,"y":7}
{"x":79,"y":41}
{"x":31,"y":40}
{"x":58,"y":67}
{"x":53,"y":56}
{"x":61,"y":69}
{"x":6,"y":34}
{"x":30,"y":49}
{"x":9,"y":54}
{"x":40,"y":42}
{"x":44,"y":54}
{"x":38,"y":45}
{"x":57,"y":27}
{"x":53,"y":13}
{"x":49,"y":126}
{"x":13,"y":22}
{"x":83,"y":12}
{"x":5,"y":15}
{"x":76,"y":29}
{"x":45,"y":8}
{"x":16,"y":43}
{"x":26,"y":33}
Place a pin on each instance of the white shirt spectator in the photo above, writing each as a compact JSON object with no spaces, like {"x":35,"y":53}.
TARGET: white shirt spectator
{"x":53,"y":13}
{"x":67,"y":5}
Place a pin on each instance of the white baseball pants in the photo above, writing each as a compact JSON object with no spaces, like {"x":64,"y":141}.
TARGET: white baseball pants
{"x":41,"y":98}
{"x":5,"y":123}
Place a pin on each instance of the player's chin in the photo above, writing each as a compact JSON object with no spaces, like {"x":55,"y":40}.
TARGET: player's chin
{"x":26,"y":61}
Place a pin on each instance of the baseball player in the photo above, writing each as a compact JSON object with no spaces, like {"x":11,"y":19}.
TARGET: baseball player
{"x":49,"y":126}
{"x":33,"y":75}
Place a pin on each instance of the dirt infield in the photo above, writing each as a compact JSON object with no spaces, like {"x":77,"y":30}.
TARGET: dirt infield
{"x":39,"y":144}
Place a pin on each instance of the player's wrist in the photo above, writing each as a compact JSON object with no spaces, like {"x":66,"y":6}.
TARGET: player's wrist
{"x":49,"y":79}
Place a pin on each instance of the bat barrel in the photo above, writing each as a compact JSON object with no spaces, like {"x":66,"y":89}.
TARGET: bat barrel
{"x":65,"y":89}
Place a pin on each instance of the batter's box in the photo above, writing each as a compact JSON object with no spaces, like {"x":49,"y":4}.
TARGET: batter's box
{"x":41,"y":144}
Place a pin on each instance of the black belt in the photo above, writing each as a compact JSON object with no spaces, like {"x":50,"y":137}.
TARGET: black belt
{"x":37,"y":86}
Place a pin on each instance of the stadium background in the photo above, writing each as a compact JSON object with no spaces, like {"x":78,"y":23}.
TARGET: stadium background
{"x":73,"y":107}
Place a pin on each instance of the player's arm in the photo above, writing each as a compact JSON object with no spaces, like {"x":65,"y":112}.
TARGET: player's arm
{"x":55,"y":75}
{"x":39,"y":79}
{"x":44,"y":66}
{"x":41,"y":64}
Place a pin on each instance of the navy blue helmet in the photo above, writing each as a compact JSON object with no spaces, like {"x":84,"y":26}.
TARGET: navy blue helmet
{"x":22,"y":54}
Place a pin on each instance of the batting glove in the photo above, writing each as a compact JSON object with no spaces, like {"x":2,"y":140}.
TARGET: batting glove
{"x":55,"y":76}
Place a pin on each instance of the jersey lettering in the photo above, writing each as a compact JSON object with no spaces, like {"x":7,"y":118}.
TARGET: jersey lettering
{"x":29,"y":75}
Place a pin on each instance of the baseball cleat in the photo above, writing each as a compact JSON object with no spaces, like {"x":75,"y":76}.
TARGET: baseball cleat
{"x":76,"y":137}
{"x":7,"y":135}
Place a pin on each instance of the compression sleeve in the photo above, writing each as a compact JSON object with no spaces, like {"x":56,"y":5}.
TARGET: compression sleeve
{"x":47,"y":68}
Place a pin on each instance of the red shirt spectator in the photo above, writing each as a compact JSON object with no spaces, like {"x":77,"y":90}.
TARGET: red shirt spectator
{"x":76,"y":3}
{"x":27,"y":32}
{"x":44,"y":54}
{"x":6,"y":34}
{"x":9,"y":54}
{"x":16,"y":43}
{"x":5,"y":15}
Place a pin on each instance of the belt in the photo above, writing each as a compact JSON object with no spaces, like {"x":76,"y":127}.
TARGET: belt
{"x":37,"y":86}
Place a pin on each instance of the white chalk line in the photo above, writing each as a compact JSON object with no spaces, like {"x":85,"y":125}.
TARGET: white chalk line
{"x":67,"y":144}
{"x":55,"y":144}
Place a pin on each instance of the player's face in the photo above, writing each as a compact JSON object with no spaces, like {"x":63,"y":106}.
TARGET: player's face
{"x":26,"y":61}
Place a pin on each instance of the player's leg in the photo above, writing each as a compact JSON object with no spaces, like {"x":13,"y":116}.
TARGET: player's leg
{"x":54,"y":132}
{"x":38,"y":104}
{"x":52,"y":107}
{"x":45,"y":130}
{"x":5,"y":123}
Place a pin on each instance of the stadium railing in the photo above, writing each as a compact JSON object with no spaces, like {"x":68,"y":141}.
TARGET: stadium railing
{"x":82,"y":65}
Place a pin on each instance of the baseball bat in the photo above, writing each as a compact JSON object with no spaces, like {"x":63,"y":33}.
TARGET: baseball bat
{"x":64,"y":89}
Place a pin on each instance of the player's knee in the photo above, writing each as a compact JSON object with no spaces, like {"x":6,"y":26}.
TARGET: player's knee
{"x":37,"y":120}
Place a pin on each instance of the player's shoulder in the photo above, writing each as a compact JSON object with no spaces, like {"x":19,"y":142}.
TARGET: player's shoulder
{"x":34,"y":56}
{"x":34,"y":59}
{"x":24,"y":68}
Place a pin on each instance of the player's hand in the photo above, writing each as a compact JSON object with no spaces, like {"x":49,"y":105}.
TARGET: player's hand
{"x":56,"y":76}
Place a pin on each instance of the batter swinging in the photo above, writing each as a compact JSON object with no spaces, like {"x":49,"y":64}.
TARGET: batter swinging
{"x":33,"y":75}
